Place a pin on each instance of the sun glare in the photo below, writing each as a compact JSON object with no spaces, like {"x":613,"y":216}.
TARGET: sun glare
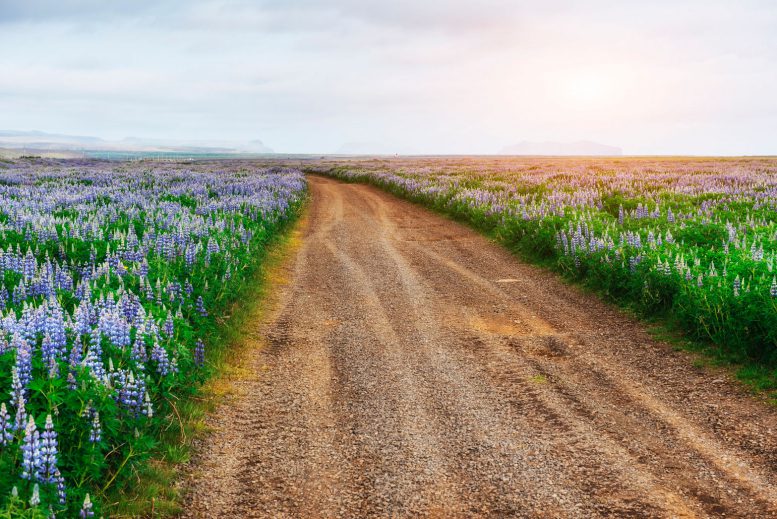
{"x":586,"y":90}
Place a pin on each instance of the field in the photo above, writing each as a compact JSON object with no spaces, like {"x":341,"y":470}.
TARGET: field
{"x":692,"y":239}
{"x":412,"y":366}
{"x":113,"y":279}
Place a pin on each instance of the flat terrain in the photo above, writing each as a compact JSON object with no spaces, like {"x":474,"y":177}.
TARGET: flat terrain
{"x":413,"y":368}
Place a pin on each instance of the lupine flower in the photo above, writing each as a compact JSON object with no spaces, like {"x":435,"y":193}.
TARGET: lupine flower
{"x":139,"y":234}
{"x":61,"y":490}
{"x":773,"y":289}
{"x":159,"y":355}
{"x":49,"y":451}
{"x":23,"y":365}
{"x":95,"y":430}
{"x":71,"y":381}
{"x":199,"y":353}
{"x":86,"y":508}
{"x":148,"y":409}
{"x":35,"y":498}
{"x":201,"y":307}
{"x":168,"y":328}
{"x":6,"y":427}
{"x":32,"y":460}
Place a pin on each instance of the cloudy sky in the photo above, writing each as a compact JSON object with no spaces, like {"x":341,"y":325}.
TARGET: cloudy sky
{"x":424,"y":76}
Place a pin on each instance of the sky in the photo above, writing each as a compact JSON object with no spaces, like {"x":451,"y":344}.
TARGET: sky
{"x":404,"y":76}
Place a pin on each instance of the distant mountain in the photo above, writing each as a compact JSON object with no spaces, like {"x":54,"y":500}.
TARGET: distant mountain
{"x":36,"y":140}
{"x":561,"y":148}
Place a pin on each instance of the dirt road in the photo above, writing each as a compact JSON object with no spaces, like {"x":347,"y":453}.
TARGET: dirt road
{"x":415,"y":369}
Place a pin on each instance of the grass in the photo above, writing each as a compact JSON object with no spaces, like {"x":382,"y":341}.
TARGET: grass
{"x":154,"y":490}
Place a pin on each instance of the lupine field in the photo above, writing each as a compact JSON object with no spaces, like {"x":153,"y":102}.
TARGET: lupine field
{"x":112,"y":277}
{"x":691,"y":239}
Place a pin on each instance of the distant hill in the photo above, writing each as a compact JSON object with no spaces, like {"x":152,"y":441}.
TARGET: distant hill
{"x":36,"y":140}
{"x":561,"y":148}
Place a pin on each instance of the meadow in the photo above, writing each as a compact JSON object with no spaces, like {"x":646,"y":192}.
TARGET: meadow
{"x":691,"y":241}
{"x":114,"y":279}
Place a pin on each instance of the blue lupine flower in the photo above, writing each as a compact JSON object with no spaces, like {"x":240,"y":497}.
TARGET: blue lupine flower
{"x":49,"y":452}
{"x":139,"y":353}
{"x":6,"y":427}
{"x":201,"y":307}
{"x":199,"y":353}
{"x":148,"y":409}
{"x":35,"y":498}
{"x":86,"y":509}
{"x":168,"y":328}
{"x":18,"y":400}
{"x":159,"y":355}
{"x":94,"y":362}
{"x":23,"y":360}
{"x":95,"y":430}
{"x":61,"y":490}
{"x":32,"y":459}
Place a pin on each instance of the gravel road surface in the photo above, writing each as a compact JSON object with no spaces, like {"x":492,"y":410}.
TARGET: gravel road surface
{"x":413,"y":368}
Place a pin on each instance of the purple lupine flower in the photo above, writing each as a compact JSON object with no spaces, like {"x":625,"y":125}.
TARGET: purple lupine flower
{"x":19,"y":401}
{"x":773,"y":289}
{"x":129,"y":391}
{"x":35,"y":497}
{"x":49,"y":352}
{"x":201,"y":307}
{"x":199,"y":353}
{"x":61,"y":490}
{"x":6,"y":427}
{"x":31,"y":452}
{"x":19,"y":293}
{"x":159,"y":355}
{"x":94,"y":362}
{"x":95,"y":429}
{"x":169,"y":328}
{"x":76,"y":355}
{"x":148,"y":409}
{"x":55,"y":327}
{"x":49,"y":451}
{"x":23,"y":360}
{"x":138,"y":352}
{"x":86,"y":509}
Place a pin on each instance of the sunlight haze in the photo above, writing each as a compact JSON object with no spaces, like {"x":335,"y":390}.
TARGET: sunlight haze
{"x":692,"y":77}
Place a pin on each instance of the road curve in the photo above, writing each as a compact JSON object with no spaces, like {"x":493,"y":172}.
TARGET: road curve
{"x":413,"y":368}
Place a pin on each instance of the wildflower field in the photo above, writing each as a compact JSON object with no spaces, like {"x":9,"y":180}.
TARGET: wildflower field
{"x":694,"y":240}
{"x":112,"y":278}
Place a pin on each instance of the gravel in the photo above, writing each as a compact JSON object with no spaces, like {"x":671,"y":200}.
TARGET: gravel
{"x":414,"y":369}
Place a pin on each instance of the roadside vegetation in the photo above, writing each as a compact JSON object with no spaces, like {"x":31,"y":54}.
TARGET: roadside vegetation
{"x":118,"y":282}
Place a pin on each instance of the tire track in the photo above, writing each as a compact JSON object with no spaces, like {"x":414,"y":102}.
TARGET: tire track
{"x":415,"y":370}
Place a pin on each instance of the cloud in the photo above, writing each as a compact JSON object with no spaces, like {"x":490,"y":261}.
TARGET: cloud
{"x":431,"y":75}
